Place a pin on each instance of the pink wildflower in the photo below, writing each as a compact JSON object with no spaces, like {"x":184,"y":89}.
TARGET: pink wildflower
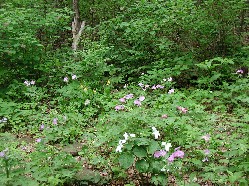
{"x":153,"y":87}
{"x":42,"y":127}
{"x":206,"y":137}
{"x":129,"y":96}
{"x":55,"y":120}
{"x":159,"y":153}
{"x":160,"y":86}
{"x":122,"y":100}
{"x":164,"y":116}
{"x":141,"y":98}
{"x":2,"y":154}
{"x":119,"y":107}
{"x":32,"y":82}
{"x":182,"y":109}
{"x":137,"y":102}
{"x":177,"y":154}
{"x":206,"y":151}
{"x":240,"y":71}
{"x":171,"y":158}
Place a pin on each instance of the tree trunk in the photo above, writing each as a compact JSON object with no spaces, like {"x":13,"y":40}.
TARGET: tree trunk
{"x":77,"y":25}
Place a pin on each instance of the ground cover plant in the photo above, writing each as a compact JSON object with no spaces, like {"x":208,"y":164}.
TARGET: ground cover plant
{"x":152,"y":93}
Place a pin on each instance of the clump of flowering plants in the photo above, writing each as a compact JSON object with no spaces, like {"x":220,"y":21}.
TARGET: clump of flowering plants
{"x":149,"y":155}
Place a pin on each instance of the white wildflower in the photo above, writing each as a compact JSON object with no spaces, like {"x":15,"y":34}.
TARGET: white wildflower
{"x":166,"y":145}
{"x":87,"y":102}
{"x":155,"y":132}
{"x":126,"y":136}
{"x":132,"y":135}
{"x":74,"y":77}
{"x":65,"y":79}
{"x":171,"y":91}
{"x":170,"y":79}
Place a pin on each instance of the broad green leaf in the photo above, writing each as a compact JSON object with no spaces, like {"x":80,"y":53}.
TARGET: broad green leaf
{"x":153,"y":146}
{"x":139,"y":151}
{"x":142,"y":141}
{"x":156,"y":166}
{"x":142,"y":165}
{"x":126,"y":160}
{"x":160,"y":179}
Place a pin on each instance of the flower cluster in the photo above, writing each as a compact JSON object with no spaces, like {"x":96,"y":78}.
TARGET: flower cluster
{"x":182,"y":109}
{"x":28,"y":83}
{"x":128,"y":96}
{"x":67,"y":80}
{"x":206,"y":152}
{"x":122,"y":142}
{"x":177,"y":154}
{"x":161,"y":153}
{"x":144,"y":87}
{"x":137,"y":102}
{"x":168,"y":79}
{"x":119,"y":107}
{"x":154,"y":87}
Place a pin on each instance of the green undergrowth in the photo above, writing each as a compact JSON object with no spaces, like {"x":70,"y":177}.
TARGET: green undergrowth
{"x":156,"y":93}
{"x":211,"y":132}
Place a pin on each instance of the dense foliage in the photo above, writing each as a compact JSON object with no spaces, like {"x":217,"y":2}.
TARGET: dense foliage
{"x":156,"y":93}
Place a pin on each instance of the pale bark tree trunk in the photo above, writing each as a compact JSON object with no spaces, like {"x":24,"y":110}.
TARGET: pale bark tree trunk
{"x":77,"y":25}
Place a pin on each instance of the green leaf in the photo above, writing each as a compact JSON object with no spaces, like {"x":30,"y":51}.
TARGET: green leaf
{"x":126,"y":160}
{"x":153,"y":146}
{"x":196,"y":162}
{"x":139,"y":151}
{"x":142,"y":141}
{"x":235,"y":176}
{"x":215,"y":77}
{"x":142,"y":165}
{"x":160,"y":179}
{"x":156,"y":166}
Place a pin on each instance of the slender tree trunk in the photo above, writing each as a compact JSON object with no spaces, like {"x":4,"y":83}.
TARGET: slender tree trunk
{"x":77,"y":25}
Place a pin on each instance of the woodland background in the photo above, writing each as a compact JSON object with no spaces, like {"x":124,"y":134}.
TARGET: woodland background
{"x":78,"y":77}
